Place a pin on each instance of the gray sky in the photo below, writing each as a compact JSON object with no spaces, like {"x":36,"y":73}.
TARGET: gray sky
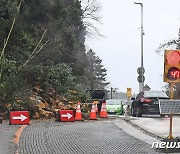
{"x":120,"y":47}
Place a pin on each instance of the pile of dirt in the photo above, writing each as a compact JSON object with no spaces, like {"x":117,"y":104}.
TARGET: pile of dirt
{"x":47,"y":105}
{"x":43,"y":104}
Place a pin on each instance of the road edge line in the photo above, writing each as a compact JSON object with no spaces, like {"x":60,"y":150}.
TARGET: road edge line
{"x":18,"y":133}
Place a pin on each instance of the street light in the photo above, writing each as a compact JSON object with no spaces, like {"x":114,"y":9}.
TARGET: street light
{"x":141,"y":84}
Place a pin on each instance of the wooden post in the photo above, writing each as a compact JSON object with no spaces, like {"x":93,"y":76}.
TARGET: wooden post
{"x":170,"y":129}
{"x":171,"y":97}
{"x":171,"y":90}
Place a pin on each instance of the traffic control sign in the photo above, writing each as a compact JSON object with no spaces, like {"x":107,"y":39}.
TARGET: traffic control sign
{"x":66,"y":115}
{"x":172,"y":66}
{"x":140,"y":70}
{"x":129,"y":92}
{"x":19,"y":118}
{"x":167,"y":106}
{"x":141,"y":78}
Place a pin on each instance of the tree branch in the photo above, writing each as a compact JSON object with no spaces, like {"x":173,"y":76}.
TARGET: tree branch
{"x":34,"y":51}
{"x":7,"y":39}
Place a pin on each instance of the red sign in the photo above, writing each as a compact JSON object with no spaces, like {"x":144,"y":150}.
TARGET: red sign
{"x":173,"y":58}
{"x":173,"y":73}
{"x":19,"y":118}
{"x":66,"y":115}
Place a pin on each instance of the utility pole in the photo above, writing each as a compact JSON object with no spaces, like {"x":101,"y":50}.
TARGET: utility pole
{"x":111,"y":92}
{"x":141,"y":84}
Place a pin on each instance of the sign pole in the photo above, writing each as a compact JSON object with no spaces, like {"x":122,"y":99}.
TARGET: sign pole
{"x":171,"y":90}
{"x":171,"y":97}
{"x":170,"y":129}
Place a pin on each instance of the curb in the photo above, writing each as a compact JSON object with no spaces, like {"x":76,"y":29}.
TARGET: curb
{"x":122,"y":124}
{"x":17,"y":136}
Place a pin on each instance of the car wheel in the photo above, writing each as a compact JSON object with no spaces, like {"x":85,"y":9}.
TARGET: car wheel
{"x":162,"y":115}
{"x":139,"y":112}
{"x":133,"y":111}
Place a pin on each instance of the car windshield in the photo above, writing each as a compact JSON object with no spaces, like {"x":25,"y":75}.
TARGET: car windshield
{"x":157,"y":94}
{"x":115,"y":102}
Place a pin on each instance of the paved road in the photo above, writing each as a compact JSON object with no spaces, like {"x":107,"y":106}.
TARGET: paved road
{"x":6,"y":137}
{"x":97,"y":137}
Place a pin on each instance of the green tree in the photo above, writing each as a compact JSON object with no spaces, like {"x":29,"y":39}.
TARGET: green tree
{"x":96,"y":72}
{"x":46,"y":47}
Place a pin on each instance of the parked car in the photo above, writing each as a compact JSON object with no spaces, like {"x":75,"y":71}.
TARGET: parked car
{"x":147,"y":103}
{"x":97,"y":94}
{"x":115,"y":106}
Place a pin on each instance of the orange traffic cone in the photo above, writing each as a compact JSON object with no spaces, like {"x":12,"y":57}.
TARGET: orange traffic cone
{"x":103,"y":112}
{"x":93,"y":113}
{"x":78,"y":112}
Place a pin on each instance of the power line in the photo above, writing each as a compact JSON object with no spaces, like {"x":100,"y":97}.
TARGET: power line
{"x":124,"y":33}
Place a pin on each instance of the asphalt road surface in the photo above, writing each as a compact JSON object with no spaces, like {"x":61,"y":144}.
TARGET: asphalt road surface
{"x":94,"y":137}
{"x":6,"y":137}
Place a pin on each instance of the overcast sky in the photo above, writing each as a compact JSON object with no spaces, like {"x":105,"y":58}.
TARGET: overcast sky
{"x":120,"y":47}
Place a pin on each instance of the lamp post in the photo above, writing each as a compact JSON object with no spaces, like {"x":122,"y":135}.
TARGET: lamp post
{"x":141,"y":84}
{"x":111,"y":92}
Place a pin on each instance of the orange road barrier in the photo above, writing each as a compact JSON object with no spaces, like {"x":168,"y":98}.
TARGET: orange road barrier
{"x":78,"y":116}
{"x":93,"y":112}
{"x":103,"y":112}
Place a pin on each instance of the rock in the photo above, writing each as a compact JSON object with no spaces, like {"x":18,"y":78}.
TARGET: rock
{"x":60,"y":105}
{"x":37,"y":115}
{"x":47,"y":114}
{"x":2,"y":114}
{"x":42,"y":105}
